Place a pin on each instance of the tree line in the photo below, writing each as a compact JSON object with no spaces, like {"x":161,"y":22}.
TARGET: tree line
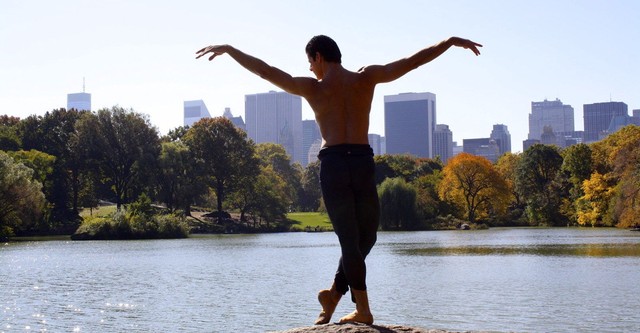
{"x":54,"y":165}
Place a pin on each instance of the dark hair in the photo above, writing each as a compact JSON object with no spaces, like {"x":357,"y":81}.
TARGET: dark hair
{"x":326,"y":46}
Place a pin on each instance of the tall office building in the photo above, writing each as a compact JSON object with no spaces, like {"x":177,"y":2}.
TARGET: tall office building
{"x":79,"y":101}
{"x":598,"y":118}
{"x":485,"y":147}
{"x":276,"y":117}
{"x":310,"y":135}
{"x":443,"y":143}
{"x":551,"y":113}
{"x":194,"y":111}
{"x":409,"y":123}
{"x":500,"y":134}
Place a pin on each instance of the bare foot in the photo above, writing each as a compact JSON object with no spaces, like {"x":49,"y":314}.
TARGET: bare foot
{"x":328,"y":306}
{"x":356,"y":317}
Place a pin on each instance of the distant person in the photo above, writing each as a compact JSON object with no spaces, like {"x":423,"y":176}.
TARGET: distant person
{"x":341,"y":100}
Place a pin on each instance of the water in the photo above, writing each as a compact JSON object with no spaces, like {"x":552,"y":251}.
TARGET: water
{"x":522,"y":280}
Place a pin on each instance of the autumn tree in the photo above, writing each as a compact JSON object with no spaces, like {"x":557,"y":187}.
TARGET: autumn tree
{"x":577,"y":166}
{"x":616,"y":166}
{"x":472,"y":183}
{"x":224,"y":154}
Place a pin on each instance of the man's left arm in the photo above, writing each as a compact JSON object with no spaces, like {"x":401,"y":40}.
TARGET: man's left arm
{"x":295,"y":85}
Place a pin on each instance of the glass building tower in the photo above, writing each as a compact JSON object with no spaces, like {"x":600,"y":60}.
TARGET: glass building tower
{"x":409,"y":123}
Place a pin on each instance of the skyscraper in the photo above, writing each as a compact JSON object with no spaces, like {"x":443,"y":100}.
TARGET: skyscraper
{"x":551,"y":113}
{"x":598,"y":117}
{"x":276,"y":117}
{"x":194,"y":111}
{"x":485,"y":147}
{"x":500,"y":134}
{"x":443,"y":143}
{"x":310,"y":135}
{"x":79,"y":101}
{"x":409,"y":122}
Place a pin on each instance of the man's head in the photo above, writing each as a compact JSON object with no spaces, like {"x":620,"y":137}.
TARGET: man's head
{"x":327,"y":48}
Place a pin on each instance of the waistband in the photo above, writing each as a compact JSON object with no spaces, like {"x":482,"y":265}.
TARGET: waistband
{"x":347,"y":149}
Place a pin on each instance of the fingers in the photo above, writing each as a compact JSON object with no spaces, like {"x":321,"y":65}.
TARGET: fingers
{"x":204,"y":51}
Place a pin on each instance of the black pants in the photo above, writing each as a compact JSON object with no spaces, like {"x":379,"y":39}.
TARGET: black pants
{"x":347,"y":178}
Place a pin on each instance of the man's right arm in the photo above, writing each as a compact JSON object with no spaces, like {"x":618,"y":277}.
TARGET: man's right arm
{"x":295,"y":85}
{"x":398,"y":68}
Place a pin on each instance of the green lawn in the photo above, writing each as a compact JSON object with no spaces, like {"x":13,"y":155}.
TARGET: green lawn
{"x":311,"y":220}
{"x":100,"y":211}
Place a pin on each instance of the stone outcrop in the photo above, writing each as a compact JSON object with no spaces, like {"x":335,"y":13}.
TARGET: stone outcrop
{"x":361,"y":328}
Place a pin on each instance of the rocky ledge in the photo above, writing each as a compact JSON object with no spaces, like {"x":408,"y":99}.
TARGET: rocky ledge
{"x":361,"y":328}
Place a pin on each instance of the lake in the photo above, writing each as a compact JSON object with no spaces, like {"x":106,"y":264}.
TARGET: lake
{"x":502,"y":279}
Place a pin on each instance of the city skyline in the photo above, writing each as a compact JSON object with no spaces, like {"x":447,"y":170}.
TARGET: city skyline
{"x":143,"y":58}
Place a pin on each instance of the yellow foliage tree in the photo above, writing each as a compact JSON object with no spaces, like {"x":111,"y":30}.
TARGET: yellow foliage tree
{"x":594,"y":204}
{"x":472,"y":182}
{"x":617,"y":159}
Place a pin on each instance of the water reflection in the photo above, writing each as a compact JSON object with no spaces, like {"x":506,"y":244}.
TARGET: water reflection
{"x":563,"y":250}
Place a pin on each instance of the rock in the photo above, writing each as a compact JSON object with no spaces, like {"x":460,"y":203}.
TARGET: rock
{"x":362,"y":328}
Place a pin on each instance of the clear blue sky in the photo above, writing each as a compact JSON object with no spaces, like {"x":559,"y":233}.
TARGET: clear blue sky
{"x":140,"y":54}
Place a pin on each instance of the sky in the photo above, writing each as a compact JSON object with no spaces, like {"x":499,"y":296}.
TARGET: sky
{"x":140,"y":55}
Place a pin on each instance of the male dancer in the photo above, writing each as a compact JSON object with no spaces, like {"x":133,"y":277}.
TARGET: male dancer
{"x":341,"y":100}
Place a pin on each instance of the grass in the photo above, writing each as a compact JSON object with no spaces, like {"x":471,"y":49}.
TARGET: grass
{"x":98,"y":212}
{"x":310,"y":220}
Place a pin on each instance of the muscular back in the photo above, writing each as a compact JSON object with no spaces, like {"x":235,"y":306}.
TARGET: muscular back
{"x":341,"y":102}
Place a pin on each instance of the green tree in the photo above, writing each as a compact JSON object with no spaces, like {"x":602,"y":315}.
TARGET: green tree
{"x":179,"y":181}
{"x":274,"y":155}
{"x":471,"y":182}
{"x":223,"y":153}
{"x":9,"y":139}
{"x":310,"y":192}
{"x":21,"y":197}
{"x":535,"y":176}
{"x":398,"y":209}
{"x":54,"y":134}
{"x":124,"y":146}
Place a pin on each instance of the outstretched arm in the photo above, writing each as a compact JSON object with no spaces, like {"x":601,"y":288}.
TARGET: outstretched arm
{"x":396,"y":69}
{"x":294,"y":85}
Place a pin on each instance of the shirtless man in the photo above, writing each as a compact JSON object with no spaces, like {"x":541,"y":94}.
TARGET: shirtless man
{"x":341,"y":100}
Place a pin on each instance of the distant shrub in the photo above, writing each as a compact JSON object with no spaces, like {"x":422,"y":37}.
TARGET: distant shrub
{"x":127,"y":225}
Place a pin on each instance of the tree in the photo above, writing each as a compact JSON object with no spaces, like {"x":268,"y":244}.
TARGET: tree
{"x":179,"y":182}
{"x":21,"y":197}
{"x":397,"y":205}
{"x":223,"y":153}
{"x":535,"y":176}
{"x":124,"y":146}
{"x":310,"y":192}
{"x":617,"y":159}
{"x":274,"y":155}
{"x":593,"y":207}
{"x":473,"y":183}
{"x":9,"y":139}
{"x":577,"y":166}
{"x":428,"y":202}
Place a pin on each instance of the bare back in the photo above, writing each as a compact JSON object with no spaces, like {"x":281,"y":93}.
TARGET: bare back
{"x":341,"y":102}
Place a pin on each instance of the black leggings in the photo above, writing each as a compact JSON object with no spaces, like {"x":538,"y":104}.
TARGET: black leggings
{"x":347,"y":178}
